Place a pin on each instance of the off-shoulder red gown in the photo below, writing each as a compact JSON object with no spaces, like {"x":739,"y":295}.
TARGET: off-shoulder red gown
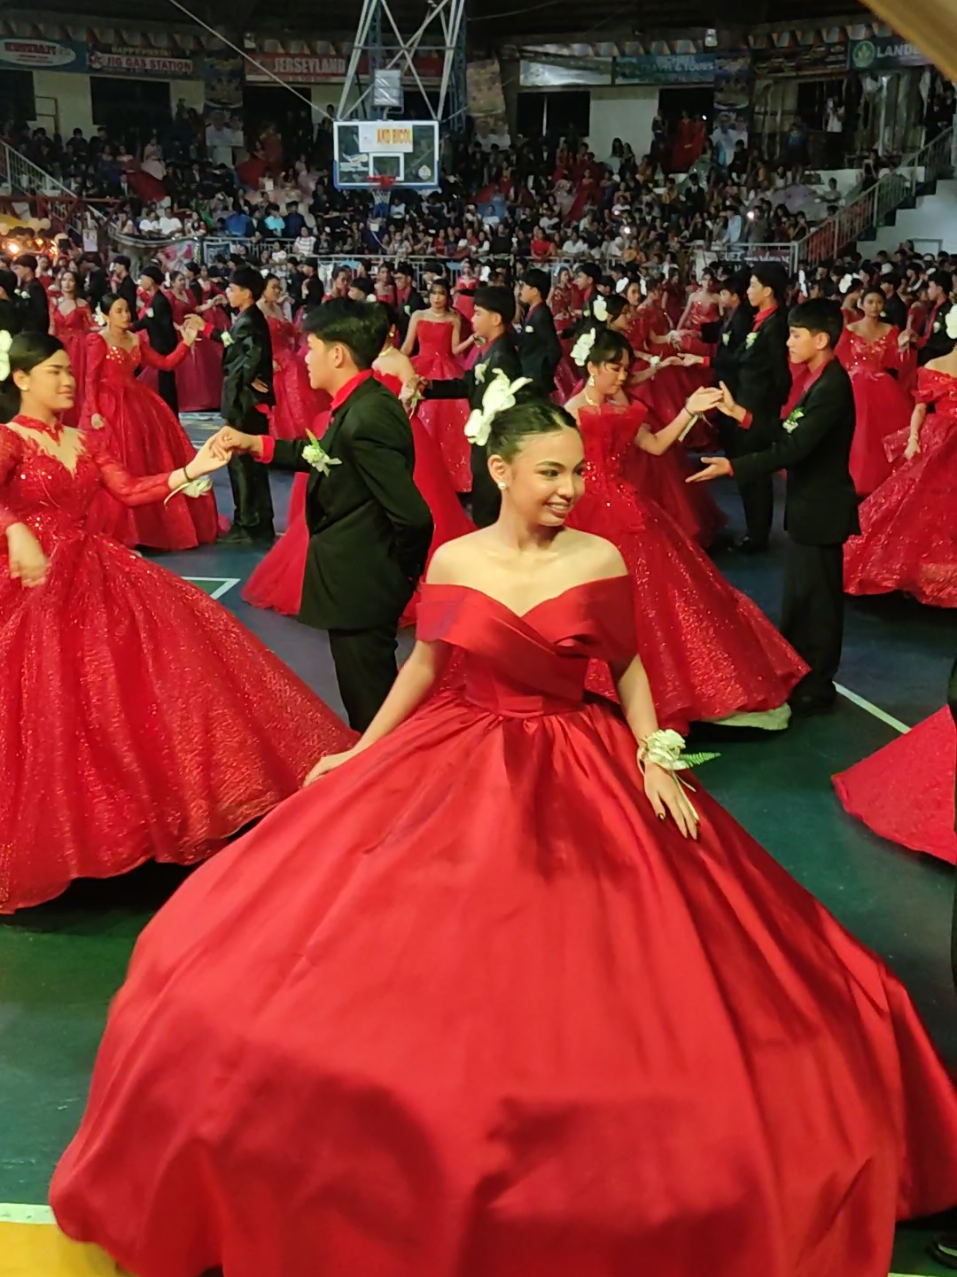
{"x":444,"y":418}
{"x":138,"y":719}
{"x":467,"y":1007}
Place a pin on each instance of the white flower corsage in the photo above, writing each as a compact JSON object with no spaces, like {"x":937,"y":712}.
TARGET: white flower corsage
{"x":195,"y":488}
{"x":599,"y":308}
{"x":793,"y":421}
{"x":499,"y":395}
{"x":750,"y":340}
{"x":725,"y":339}
{"x":665,"y":749}
{"x":480,"y":371}
{"x":582,"y":347}
{"x":5,"y":341}
{"x":317,"y":456}
{"x":226,"y":339}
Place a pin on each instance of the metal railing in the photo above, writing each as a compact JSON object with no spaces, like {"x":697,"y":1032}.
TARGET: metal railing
{"x":869,"y":209}
{"x":22,"y":177}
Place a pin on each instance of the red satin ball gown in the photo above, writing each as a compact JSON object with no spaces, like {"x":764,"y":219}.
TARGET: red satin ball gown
{"x":905,"y":792}
{"x":908,"y":535}
{"x":297,"y":404}
{"x":277,"y":581}
{"x":139,"y":720}
{"x":883,"y":408}
{"x":711,"y":654}
{"x":444,"y":418}
{"x":668,"y":391}
{"x":199,"y":378}
{"x":467,"y":1007}
{"x":72,"y":329}
{"x":145,"y":436}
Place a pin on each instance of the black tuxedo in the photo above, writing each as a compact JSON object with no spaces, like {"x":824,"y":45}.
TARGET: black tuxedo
{"x":895,"y":312}
{"x":126,"y":289}
{"x":938,"y":343}
{"x":157,"y":322}
{"x":820,"y":514}
{"x":486,"y":498}
{"x":247,"y":357}
{"x":11,"y":318}
{"x":34,"y":308}
{"x":539,"y":349}
{"x":763,"y":383}
{"x":369,"y":537}
{"x":406,"y":309}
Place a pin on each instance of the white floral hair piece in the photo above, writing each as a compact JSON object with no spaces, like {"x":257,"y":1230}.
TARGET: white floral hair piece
{"x":498,"y":397}
{"x":599,"y":308}
{"x":951,"y":326}
{"x":582,"y":347}
{"x":5,"y":342}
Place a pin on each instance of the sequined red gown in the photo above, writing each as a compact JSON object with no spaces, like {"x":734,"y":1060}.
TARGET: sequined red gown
{"x":882,"y":407}
{"x":297,"y":404}
{"x":467,"y":1007}
{"x":138,"y":719}
{"x":72,"y":329}
{"x":146,"y":438}
{"x":277,"y":581}
{"x":444,"y":418}
{"x":199,"y":378}
{"x":908,"y":535}
{"x":709,"y":651}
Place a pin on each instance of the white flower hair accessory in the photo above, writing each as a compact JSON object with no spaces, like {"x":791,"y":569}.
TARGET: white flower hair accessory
{"x":952,"y":323}
{"x":5,"y":341}
{"x":599,"y":308}
{"x":498,"y":397}
{"x":582,"y":347}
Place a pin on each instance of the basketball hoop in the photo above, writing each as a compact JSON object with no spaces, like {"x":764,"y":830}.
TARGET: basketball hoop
{"x":383,"y":184}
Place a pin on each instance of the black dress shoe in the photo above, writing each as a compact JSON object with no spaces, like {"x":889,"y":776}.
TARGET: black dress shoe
{"x":235,"y":536}
{"x":944,"y":1249}
{"x":748,"y":545}
{"x":808,"y":706}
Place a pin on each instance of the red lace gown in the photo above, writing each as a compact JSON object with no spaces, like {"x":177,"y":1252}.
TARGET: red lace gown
{"x":73,"y":329}
{"x":883,"y":408}
{"x":199,"y":378}
{"x":139,"y":720}
{"x":277,"y":581}
{"x":444,"y":418}
{"x":429,"y":1019}
{"x":668,"y":391}
{"x":908,"y":535}
{"x":297,"y":404}
{"x":711,"y":654}
{"x":147,"y":439}
{"x":905,"y":792}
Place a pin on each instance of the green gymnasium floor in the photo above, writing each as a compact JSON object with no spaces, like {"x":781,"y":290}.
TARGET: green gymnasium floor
{"x":60,"y":964}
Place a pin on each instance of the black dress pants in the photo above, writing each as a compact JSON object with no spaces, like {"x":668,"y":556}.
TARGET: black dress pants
{"x":757,"y":496}
{"x":812,"y":613}
{"x":166,"y":389}
{"x":486,"y":498}
{"x":365,"y":669}
{"x":249,"y":480}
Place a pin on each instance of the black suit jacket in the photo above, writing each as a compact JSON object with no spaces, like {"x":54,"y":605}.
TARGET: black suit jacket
{"x":406,"y":309}
{"x":732,"y":332}
{"x":159,"y":325}
{"x":500,"y":355}
{"x":821,"y":506}
{"x":938,"y":343}
{"x":763,"y":374}
{"x":895,"y":312}
{"x":369,"y":528}
{"x":34,"y":308}
{"x":247,"y":357}
{"x":539,"y":349}
{"x":11,"y":319}
{"x":127,"y":288}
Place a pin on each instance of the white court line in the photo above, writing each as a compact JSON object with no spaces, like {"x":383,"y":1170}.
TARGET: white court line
{"x":227,"y":583}
{"x":874,"y":710}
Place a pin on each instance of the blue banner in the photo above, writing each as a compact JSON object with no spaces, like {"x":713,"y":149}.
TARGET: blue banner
{"x":665,"y":68}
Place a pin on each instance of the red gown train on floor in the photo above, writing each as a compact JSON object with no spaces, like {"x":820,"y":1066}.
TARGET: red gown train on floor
{"x":709,"y":651}
{"x":466,"y":1006}
{"x":444,"y":418}
{"x":882,"y":407}
{"x":138,"y":719}
{"x":908,"y":535}
{"x":145,"y":437}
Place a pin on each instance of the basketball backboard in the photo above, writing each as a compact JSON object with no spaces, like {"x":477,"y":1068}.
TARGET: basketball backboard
{"x":370,"y":153}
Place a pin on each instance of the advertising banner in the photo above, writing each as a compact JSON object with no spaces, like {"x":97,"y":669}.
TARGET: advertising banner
{"x":30,"y":53}
{"x":142,"y":63}
{"x":884,"y":53}
{"x":329,"y":68}
{"x":665,"y":68}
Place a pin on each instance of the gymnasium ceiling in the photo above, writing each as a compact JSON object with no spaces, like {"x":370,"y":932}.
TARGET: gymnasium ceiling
{"x":491,"y":22}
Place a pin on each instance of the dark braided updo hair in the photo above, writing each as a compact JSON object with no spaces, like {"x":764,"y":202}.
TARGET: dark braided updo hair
{"x":513,"y":426}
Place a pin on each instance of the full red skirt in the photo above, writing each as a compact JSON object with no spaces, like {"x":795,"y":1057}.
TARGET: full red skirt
{"x":445,"y":418}
{"x":882,"y":409}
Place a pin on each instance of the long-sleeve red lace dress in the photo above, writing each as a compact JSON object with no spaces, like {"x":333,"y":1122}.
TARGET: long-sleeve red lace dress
{"x":883,"y":407}
{"x":72,"y":328}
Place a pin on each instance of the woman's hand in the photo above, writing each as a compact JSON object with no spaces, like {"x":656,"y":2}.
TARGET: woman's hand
{"x":704,"y":400}
{"x":667,"y":797}
{"x":190,"y":335}
{"x":28,"y":563}
{"x":913,"y":447}
{"x":210,"y":458}
{"x":327,"y":764}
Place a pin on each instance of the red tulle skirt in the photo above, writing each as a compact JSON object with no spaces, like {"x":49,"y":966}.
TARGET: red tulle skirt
{"x":74,"y":342}
{"x":297,"y":404}
{"x":882,"y":409}
{"x":139,"y":720}
{"x":199,"y":378}
{"x":908,"y":535}
{"x":445,"y":418}
{"x":142,"y":433}
{"x":905,"y":792}
{"x":467,"y":1007}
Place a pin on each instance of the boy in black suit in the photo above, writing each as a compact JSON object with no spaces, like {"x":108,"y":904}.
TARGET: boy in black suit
{"x":369,"y":528}
{"x":813,"y":445}
{"x":538,"y":346}
{"x":157,"y":321}
{"x":31,"y":295}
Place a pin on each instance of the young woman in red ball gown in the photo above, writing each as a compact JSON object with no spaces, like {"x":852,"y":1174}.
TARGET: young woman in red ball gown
{"x":139,"y":720}
{"x":438,"y":333}
{"x":277,"y":581}
{"x":490,"y":997}
{"x":908,"y":535}
{"x":142,"y":433}
{"x":297,"y":404}
{"x":72,"y":323}
{"x":869,"y":351}
{"x":199,"y":378}
{"x":711,"y":654}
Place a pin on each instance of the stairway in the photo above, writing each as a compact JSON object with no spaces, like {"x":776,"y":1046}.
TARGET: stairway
{"x":930,"y":220}
{"x":23,"y":181}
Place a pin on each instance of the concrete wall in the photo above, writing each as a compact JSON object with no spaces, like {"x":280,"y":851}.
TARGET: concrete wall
{"x":193,"y":93}
{"x":71,"y":92}
{"x":625,"y":112}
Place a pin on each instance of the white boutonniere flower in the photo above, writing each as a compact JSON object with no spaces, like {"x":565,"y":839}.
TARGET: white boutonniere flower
{"x":149,"y":313}
{"x":317,"y":456}
{"x":499,"y":395}
{"x":937,"y":327}
{"x":725,"y":339}
{"x":951,"y":324}
{"x":480,"y":371}
{"x":5,"y":341}
{"x":582,"y":347}
{"x":226,"y":339}
{"x":599,"y":308}
{"x":750,"y":340}
{"x":793,"y":421}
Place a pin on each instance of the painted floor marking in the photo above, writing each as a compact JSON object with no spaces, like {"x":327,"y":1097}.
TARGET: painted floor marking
{"x":872,"y":709}
{"x":226,"y":583}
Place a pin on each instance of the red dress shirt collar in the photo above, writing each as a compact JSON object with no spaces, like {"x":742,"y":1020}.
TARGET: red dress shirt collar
{"x":761,"y":316}
{"x":813,"y":376}
{"x":343,"y":393}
